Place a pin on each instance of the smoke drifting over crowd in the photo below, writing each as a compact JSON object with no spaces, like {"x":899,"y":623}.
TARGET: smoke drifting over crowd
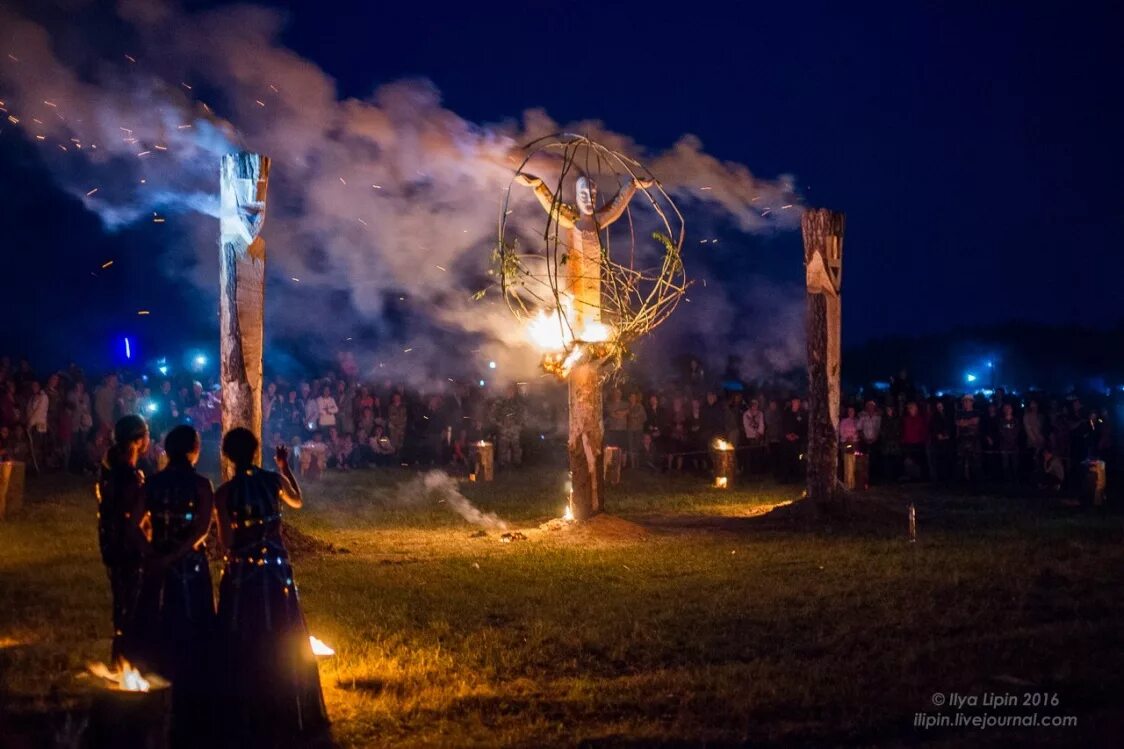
{"x":382,"y":211}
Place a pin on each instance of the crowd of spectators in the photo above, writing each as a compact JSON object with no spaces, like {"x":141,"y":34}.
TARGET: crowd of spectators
{"x":63,"y":421}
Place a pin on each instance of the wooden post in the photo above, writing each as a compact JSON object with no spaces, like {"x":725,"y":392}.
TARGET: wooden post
{"x":244,"y":178}
{"x":823,"y":265}
{"x":587,"y":429}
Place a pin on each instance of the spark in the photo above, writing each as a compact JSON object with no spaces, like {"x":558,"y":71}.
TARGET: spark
{"x":106,"y":264}
{"x":143,"y":181}
{"x":273,"y":88}
{"x":706,"y":188}
{"x":260,"y":103}
{"x":440,"y":268}
{"x":361,"y":221}
{"x":786,"y":205}
{"x":62,"y":147}
{"x":40,"y":137}
{"x":185,"y":85}
{"x":184,"y":127}
{"x":143,"y":312}
{"x":295,"y":279}
{"x":144,"y":153}
{"x":127,"y":130}
{"x":161,"y":148}
{"x":377,"y":187}
{"x":157,"y":219}
{"x":37,"y":121}
{"x":407,"y":350}
{"x":13,"y":119}
{"x":343,"y":181}
{"x":13,"y":58}
{"x":130,"y":58}
{"x":91,"y":192}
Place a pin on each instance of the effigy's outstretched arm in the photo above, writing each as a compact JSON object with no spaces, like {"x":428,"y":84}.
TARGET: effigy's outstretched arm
{"x":616,"y":206}
{"x":556,"y":209}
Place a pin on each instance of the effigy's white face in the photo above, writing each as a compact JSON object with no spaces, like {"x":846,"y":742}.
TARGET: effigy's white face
{"x":587,"y":195}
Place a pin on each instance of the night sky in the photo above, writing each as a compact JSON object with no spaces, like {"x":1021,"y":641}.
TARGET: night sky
{"x":976,"y":147}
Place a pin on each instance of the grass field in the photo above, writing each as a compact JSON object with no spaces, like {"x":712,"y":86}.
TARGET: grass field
{"x":692,"y":617}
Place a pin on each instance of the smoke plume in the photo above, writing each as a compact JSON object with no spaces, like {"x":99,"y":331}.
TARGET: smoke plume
{"x":438,"y":487}
{"x":382,"y":210}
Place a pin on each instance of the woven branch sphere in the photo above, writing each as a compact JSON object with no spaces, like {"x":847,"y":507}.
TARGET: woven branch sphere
{"x":589,"y":257}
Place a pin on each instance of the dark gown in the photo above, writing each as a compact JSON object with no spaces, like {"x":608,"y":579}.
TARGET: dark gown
{"x":175,"y":613}
{"x":270,"y":690}
{"x":120,"y":495}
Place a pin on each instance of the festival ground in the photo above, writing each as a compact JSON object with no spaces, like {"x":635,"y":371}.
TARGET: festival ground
{"x":691,"y":616}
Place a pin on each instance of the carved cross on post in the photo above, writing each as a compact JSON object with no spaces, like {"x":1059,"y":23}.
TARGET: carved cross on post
{"x":823,"y":265}
{"x":244,"y":178}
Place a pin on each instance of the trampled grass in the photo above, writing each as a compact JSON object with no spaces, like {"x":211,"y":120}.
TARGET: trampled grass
{"x":695,"y":616}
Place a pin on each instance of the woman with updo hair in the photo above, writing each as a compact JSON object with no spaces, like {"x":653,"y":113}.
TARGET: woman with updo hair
{"x":175,"y":615}
{"x":269,"y":682}
{"x":123,"y":545}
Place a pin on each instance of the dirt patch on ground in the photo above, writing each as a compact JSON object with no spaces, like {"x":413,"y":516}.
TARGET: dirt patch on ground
{"x":598,"y":528}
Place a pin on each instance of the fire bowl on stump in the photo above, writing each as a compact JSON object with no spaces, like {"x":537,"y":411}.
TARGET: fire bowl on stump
{"x":130,"y":710}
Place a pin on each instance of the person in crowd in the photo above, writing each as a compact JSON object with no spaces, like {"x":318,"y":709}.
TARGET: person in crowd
{"x":616,"y":421}
{"x":732,"y":421}
{"x":55,"y":427}
{"x":293,"y":413}
{"x":37,"y":410}
{"x":968,"y":440}
{"x":121,"y":510}
{"x":345,"y":400}
{"x":848,"y":428}
{"x":9,"y":406}
{"x":915,"y":434}
{"x":326,"y":409}
{"x":774,"y":436}
{"x":795,"y":427}
{"x":271,"y":404}
{"x":1033,"y":427}
{"x":635,"y":421}
{"x":1087,"y":437}
{"x":175,"y":611}
{"x":712,"y":416}
{"x":396,"y":421}
{"x":269,"y":684}
{"x":649,"y":454}
{"x":311,"y":408}
{"x":656,"y":421}
{"x":989,"y":434}
{"x":938,"y":449}
{"x":1049,"y":472}
{"x":890,"y":439}
{"x":1009,"y":432}
{"x":508,"y":415}
{"x":381,"y":449}
{"x":753,"y":428}
{"x":870,"y":431}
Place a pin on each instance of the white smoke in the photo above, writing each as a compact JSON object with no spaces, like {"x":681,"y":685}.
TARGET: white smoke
{"x":382,"y":210}
{"x":438,"y":487}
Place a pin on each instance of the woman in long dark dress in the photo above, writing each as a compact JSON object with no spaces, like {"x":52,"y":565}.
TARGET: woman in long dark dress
{"x":175,"y":615}
{"x":270,"y":687}
{"x":124,"y":548}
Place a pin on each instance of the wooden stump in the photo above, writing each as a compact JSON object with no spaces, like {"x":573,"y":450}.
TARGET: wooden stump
{"x":12,"y":476}
{"x":612,"y":465}
{"x":244,"y":178}
{"x":724,"y":460}
{"x":485,"y":461}
{"x":856,"y":470}
{"x":131,"y":719}
{"x":823,"y":265}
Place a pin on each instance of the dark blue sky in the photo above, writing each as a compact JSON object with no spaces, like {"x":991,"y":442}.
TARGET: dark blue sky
{"x":976,"y":147}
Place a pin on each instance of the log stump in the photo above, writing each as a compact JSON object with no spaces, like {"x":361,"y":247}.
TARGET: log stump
{"x":612,"y":465}
{"x":12,"y":476}
{"x":485,"y":461}
{"x":724,"y":460}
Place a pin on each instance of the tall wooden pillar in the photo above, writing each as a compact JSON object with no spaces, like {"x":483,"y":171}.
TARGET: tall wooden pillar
{"x":587,"y":430}
{"x":823,"y":265}
{"x":244,"y":178}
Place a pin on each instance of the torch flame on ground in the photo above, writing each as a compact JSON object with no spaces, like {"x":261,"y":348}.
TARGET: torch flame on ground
{"x":721,"y":444}
{"x":568,"y":515}
{"x":319,"y":647}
